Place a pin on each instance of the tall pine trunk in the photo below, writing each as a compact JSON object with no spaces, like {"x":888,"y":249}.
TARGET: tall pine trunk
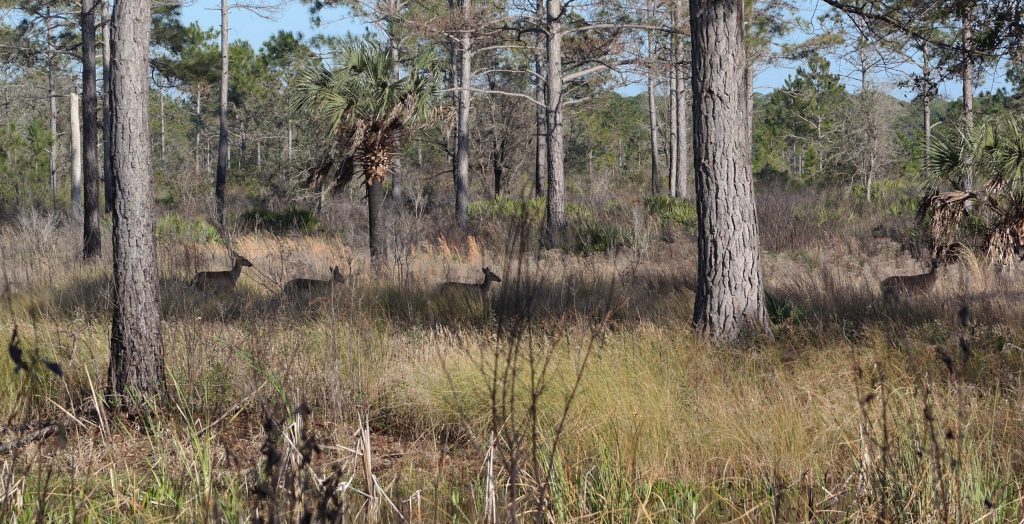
{"x":75,"y":112}
{"x":108,"y":169}
{"x":136,"y":373}
{"x":555,"y":214}
{"x":90,"y":135}
{"x":729,"y":296}
{"x":222,"y":141}
{"x":51,"y":95}
{"x":926,"y":106}
{"x":540,"y":94}
{"x":967,"y":76}
{"x":652,"y":105}
{"x":462,"y":129}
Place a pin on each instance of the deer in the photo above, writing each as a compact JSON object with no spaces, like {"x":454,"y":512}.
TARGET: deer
{"x":905,"y":286}
{"x":482,"y":288}
{"x":221,"y":280}
{"x":299,"y":286}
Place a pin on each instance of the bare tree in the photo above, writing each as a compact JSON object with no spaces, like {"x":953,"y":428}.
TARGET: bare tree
{"x":136,"y":373}
{"x":729,"y":295}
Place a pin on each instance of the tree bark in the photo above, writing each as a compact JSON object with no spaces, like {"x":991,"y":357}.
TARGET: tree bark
{"x":729,"y":295}
{"x":555,"y":223}
{"x":374,"y":201}
{"x":51,"y":94}
{"x":673,"y":111}
{"x":222,"y":141}
{"x":681,"y":168}
{"x":652,"y":106}
{"x":540,"y":92}
{"x":90,"y":134}
{"x":108,"y":170}
{"x":136,"y":373}
{"x":967,"y":75}
{"x":397,"y":174}
{"x":926,"y":109}
{"x":74,"y":112}
{"x":462,"y":128}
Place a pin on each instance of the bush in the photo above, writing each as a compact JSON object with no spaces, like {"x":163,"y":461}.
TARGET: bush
{"x":174,"y":225}
{"x":673,"y":211}
{"x":291,"y":220}
{"x":506,"y":209}
{"x":598,"y":237}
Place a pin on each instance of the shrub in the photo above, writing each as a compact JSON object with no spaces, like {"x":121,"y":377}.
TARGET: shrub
{"x":173,"y":225}
{"x":673,"y":211}
{"x":505,"y":209}
{"x":291,"y":220}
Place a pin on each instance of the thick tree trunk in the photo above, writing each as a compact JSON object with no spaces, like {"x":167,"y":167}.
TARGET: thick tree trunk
{"x":555,"y":133}
{"x":462,"y":129}
{"x":729,"y":295}
{"x":222,"y":141}
{"x":108,"y":169}
{"x":90,"y":134}
{"x":652,"y":106}
{"x":374,"y":201}
{"x":136,"y":373}
{"x":74,"y":112}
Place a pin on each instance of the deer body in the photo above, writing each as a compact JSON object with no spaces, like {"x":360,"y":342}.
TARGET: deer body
{"x":221,"y":280}
{"x":299,"y":286}
{"x":462,"y":288}
{"x":908,"y":285}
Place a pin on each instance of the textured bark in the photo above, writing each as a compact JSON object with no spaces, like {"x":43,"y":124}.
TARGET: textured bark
{"x":75,"y":112}
{"x":90,"y":134}
{"x":652,"y":106}
{"x":555,"y":223}
{"x":222,"y":140}
{"x":729,"y":295}
{"x":673,"y":112}
{"x":967,"y":76}
{"x":374,"y":201}
{"x":541,"y":152}
{"x":136,"y":372}
{"x":51,"y":94}
{"x":108,"y":170}
{"x":462,"y":128}
{"x":397,"y":174}
{"x":926,"y":103}
{"x":681,"y":188}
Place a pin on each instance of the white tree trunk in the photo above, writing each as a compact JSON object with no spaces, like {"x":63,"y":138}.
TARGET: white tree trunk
{"x":75,"y":111}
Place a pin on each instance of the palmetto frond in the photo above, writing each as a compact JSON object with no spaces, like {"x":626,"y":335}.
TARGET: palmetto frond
{"x":362,"y":104}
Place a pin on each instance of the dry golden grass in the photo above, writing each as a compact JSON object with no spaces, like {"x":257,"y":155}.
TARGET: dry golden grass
{"x":824,"y":422}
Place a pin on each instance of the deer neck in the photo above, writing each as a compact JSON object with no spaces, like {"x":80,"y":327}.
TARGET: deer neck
{"x":485,"y":286}
{"x":236,"y":271}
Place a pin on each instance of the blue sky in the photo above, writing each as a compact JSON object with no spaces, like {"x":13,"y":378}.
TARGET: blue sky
{"x":294,"y":16}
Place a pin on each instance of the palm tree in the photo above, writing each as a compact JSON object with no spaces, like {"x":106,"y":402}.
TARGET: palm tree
{"x":993,"y":150}
{"x":365,"y":110}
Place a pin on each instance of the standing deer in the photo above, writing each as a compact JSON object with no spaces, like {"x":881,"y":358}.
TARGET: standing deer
{"x":221,"y":280}
{"x":905,"y":286}
{"x":299,"y":286}
{"x":482,"y":288}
